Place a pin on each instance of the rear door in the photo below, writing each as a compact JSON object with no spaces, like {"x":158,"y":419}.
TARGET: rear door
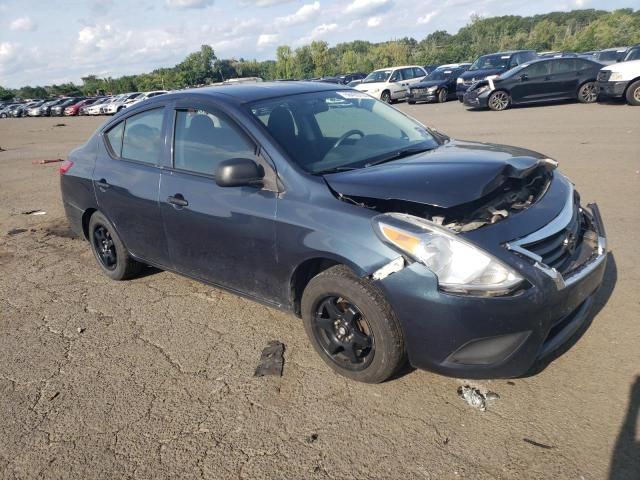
{"x":222,"y":235}
{"x":126,"y":180}
{"x":397,"y":84}
{"x":564,"y":78}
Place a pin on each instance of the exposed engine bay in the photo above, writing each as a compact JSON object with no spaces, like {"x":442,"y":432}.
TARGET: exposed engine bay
{"x":509,"y":198}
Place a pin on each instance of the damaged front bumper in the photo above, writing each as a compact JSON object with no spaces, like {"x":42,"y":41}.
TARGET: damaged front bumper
{"x":493,"y":337}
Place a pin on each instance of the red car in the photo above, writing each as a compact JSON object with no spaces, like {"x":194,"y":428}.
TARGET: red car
{"x":75,"y":108}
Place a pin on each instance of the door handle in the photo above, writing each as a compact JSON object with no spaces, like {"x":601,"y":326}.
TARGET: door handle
{"x":177,"y":200}
{"x":103,"y":184}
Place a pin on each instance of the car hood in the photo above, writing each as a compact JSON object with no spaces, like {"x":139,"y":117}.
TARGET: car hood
{"x":480,"y":74}
{"x":429,"y":83}
{"x":369,"y":86}
{"x":453,"y":174}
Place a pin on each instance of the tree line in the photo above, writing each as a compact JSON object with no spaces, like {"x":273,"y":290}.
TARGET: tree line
{"x":577,"y":30}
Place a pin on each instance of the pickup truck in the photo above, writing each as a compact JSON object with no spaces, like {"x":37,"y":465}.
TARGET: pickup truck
{"x":621,"y":80}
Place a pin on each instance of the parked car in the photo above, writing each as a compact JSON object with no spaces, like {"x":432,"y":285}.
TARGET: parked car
{"x":430,"y":68}
{"x":20,"y":110}
{"x":44,"y":110}
{"x":632,"y":54}
{"x":353,"y":83}
{"x":391,"y":84}
{"x":557,"y":54}
{"x":439,"y":85}
{"x":58,"y":110}
{"x":609,"y":56}
{"x":96,"y":107}
{"x":621,"y":80}
{"x":132,"y":101}
{"x":119,"y":103}
{"x":74,"y":108}
{"x":490,"y":65}
{"x":541,"y":80}
{"x":351,"y":77}
{"x":5,"y":111}
{"x":392,"y":241}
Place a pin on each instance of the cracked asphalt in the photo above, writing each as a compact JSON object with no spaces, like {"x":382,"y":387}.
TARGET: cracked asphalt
{"x":153,"y":378}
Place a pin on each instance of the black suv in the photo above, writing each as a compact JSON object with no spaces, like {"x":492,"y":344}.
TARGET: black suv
{"x":492,"y":64}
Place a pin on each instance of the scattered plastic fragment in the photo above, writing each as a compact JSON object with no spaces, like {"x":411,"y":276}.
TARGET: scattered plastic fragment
{"x":475,"y":398}
{"x":538,"y":444}
{"x":312,"y":438}
{"x":54,"y":396}
{"x":16,"y":231}
{"x":49,"y":160}
{"x":60,"y":125}
{"x":34,"y":212}
{"x":271,"y":360}
{"x":81,"y":329}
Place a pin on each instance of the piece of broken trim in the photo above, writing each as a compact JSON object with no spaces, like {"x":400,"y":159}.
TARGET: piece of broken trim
{"x":271,"y":360}
{"x":392,"y":267}
{"x":475,"y":398}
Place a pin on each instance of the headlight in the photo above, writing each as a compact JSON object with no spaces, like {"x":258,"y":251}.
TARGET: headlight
{"x":459,"y":80}
{"x":616,"y":76}
{"x":481,"y":90}
{"x":460,"y":266}
{"x":432,"y":89}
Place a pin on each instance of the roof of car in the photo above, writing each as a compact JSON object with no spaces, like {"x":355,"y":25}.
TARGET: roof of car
{"x":507,"y":52}
{"x":251,"y":92}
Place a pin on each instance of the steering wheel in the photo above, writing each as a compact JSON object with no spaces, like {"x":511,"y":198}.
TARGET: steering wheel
{"x":347,"y":135}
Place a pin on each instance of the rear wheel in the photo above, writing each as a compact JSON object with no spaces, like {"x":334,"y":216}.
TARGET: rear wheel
{"x":110,"y":252}
{"x":411,"y":102}
{"x":443,"y":95}
{"x":499,"y":100}
{"x":588,"y":92}
{"x":633,"y":93}
{"x":351,"y":326}
{"x":386,"y":96}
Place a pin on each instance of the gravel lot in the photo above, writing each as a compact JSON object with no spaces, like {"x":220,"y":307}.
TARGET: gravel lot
{"x":153,"y":378}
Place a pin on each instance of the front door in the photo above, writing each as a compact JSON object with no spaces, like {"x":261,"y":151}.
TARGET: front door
{"x":222,"y":235}
{"x":534,"y":84}
{"x":126,"y":179}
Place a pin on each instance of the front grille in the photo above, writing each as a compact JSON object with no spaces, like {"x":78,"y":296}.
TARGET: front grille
{"x":418,"y":90}
{"x":603,"y":75}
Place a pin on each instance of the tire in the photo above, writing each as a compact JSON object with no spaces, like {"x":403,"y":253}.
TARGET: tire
{"x":109,"y":251}
{"x":633,"y":93}
{"x":351,"y":326}
{"x":386,"y":97}
{"x":411,"y":102}
{"x":443,"y":94}
{"x":588,"y":92}
{"x":499,"y":101}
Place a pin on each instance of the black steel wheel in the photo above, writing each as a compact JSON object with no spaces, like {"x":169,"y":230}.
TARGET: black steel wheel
{"x":499,"y":100}
{"x":588,"y":92}
{"x":111,"y":254}
{"x":351,"y":326}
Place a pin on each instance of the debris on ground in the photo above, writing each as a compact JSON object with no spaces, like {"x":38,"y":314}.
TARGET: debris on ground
{"x":312,"y":438}
{"x":538,"y":444}
{"x":34,"y":212}
{"x":81,"y":329}
{"x":16,"y":231}
{"x":54,"y":396}
{"x":475,"y":398}
{"x":2,"y":149}
{"x":60,"y":125}
{"x":271,"y":360}
{"x":48,"y":160}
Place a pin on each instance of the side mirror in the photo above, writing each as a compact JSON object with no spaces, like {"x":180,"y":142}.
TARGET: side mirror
{"x":524,"y":77}
{"x":239,"y":172}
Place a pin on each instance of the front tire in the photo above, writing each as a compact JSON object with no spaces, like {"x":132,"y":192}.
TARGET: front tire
{"x":351,"y":326}
{"x":111,"y":254}
{"x":633,"y":94}
{"x":386,"y":97}
{"x":443,"y":94}
{"x":499,"y":101}
{"x":588,"y":93}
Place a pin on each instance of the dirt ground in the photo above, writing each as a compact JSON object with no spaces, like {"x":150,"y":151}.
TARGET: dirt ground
{"x":153,"y":378}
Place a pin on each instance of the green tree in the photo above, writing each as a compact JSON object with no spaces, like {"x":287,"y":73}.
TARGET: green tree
{"x":197,"y":68}
{"x":5,"y":94}
{"x":284,"y":62}
{"x":321,"y":58}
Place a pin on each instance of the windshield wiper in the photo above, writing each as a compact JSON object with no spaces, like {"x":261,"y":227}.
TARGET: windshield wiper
{"x":334,"y":170}
{"x":398,"y":154}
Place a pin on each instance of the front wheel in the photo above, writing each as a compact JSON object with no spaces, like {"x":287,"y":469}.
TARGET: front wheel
{"x":443,"y":95}
{"x":633,"y":94}
{"x":499,"y":100}
{"x":588,"y":93}
{"x":351,"y":326}
{"x":386,"y":97}
{"x":110,"y":252}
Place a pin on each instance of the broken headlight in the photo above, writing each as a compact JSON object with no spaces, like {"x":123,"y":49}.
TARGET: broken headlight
{"x":460,"y":266}
{"x":482,"y":89}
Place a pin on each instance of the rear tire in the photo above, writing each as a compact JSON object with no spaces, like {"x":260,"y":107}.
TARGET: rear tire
{"x":588,"y":92}
{"x":109,"y":251}
{"x":633,"y":93}
{"x":499,"y":101}
{"x":351,"y":326}
{"x":411,"y":102}
{"x":443,"y":94}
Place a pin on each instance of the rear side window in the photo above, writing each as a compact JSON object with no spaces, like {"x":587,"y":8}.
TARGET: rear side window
{"x":417,"y":72}
{"x":537,"y":69}
{"x":204,"y":139}
{"x":563,"y":66}
{"x":138,"y":137}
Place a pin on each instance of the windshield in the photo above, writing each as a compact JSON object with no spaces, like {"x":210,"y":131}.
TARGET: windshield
{"x":378,"y":76}
{"x":344,"y":129}
{"x":487,"y":62}
{"x":607,"y":56}
{"x":634,"y":54}
{"x":439,"y":75}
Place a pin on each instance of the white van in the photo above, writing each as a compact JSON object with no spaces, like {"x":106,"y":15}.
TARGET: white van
{"x":391,"y":84}
{"x":621,"y":80}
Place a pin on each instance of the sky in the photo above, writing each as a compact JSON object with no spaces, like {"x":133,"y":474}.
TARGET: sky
{"x":45,"y":42}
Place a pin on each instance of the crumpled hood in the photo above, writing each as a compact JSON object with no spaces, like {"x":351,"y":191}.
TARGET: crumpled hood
{"x":453,"y":174}
{"x":429,"y":83}
{"x":480,"y":74}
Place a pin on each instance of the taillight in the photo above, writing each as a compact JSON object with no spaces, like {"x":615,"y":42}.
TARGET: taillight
{"x":66,"y":165}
